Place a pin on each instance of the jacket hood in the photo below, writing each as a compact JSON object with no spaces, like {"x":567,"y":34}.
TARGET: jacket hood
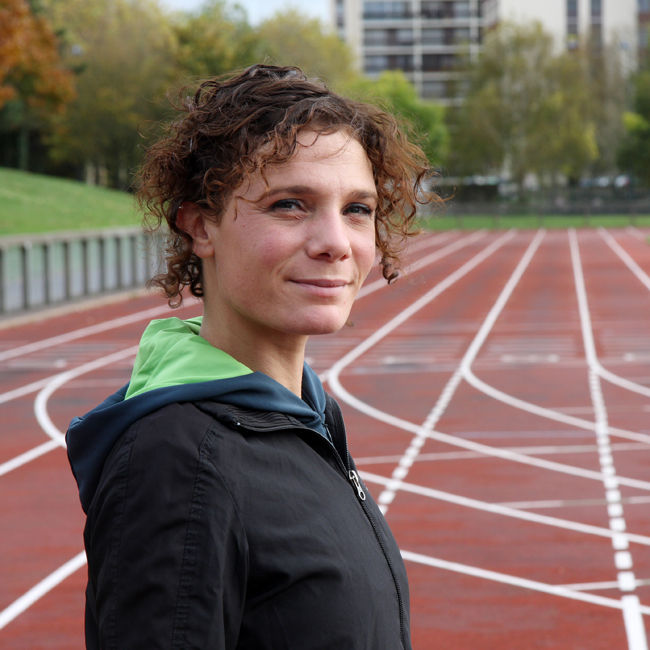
{"x":175,"y":364}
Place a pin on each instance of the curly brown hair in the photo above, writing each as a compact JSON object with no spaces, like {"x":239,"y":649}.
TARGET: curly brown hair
{"x":237,"y":125}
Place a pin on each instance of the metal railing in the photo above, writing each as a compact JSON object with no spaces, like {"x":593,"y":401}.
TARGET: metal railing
{"x":41,"y":270}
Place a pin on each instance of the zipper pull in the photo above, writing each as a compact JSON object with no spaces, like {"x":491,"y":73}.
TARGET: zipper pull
{"x":354,"y":478}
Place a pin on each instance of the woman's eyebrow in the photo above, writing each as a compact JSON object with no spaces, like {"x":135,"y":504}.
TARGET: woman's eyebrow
{"x":300,"y":190}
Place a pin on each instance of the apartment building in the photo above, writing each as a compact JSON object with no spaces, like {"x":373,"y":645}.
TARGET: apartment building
{"x":423,"y":38}
{"x":427,"y":38}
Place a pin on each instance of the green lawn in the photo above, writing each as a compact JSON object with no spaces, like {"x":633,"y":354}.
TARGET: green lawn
{"x":32,"y":203}
{"x":472,"y":222}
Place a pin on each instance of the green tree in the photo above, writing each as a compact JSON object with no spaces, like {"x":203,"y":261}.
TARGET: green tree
{"x":393,"y":92}
{"x":215,"y":40}
{"x":291,"y":38}
{"x":634,"y":154}
{"x":527,"y":110}
{"x":124,"y":55}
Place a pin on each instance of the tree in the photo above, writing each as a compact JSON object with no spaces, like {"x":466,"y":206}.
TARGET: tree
{"x":527,"y":111}
{"x":634,"y":154}
{"x":291,"y":38}
{"x":393,"y":92}
{"x":215,"y":40}
{"x":34,"y":85}
{"x":124,"y":54}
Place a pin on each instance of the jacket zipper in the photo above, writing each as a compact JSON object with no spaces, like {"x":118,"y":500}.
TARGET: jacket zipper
{"x":361,"y":495}
{"x":355,"y":481}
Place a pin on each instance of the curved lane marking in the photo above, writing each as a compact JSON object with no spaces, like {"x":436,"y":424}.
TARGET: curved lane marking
{"x":642,"y":276}
{"x":620,"y":540}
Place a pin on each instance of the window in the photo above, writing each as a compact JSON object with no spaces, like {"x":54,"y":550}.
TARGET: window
{"x":460,"y":35}
{"x":382,"y":10}
{"x":436,"y":9}
{"x":461,"y":10}
{"x":572,"y":8}
{"x":435,"y":36}
{"x":434,"y":89}
{"x":435,"y":62}
{"x":384,"y":37}
{"x":375,"y":37}
{"x":377,"y":63}
{"x":596,"y":8}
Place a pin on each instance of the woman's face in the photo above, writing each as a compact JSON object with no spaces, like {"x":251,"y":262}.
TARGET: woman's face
{"x":291,"y":254}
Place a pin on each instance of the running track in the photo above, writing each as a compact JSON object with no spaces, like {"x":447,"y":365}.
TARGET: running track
{"x":497,"y":399}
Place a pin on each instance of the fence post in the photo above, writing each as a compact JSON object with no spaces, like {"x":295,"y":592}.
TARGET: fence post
{"x":101,"y":243}
{"x":67,"y":269}
{"x":2,"y":280}
{"x":24,"y":265}
{"x":46,"y":273}
{"x":85,"y":267}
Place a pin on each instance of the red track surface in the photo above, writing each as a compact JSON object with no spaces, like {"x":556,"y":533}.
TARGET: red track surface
{"x":502,"y":421}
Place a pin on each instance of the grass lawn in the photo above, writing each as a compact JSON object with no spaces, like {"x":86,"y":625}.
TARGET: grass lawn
{"x":32,"y":203}
{"x":473,"y":222}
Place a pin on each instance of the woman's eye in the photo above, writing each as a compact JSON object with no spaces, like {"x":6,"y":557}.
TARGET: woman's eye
{"x":361,"y":209}
{"x":286,"y":204}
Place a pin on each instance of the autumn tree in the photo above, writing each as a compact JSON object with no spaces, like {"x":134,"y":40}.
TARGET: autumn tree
{"x":34,"y":85}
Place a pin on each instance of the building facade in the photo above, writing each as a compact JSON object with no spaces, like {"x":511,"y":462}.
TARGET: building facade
{"x":428,"y":39}
{"x":423,"y":38}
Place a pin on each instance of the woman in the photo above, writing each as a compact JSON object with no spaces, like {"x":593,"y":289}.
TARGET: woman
{"x":223,"y":508}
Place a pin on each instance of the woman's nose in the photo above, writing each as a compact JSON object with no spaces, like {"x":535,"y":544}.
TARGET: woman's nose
{"x":329,"y":236}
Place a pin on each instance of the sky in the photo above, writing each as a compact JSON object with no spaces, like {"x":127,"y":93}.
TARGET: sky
{"x":258,"y":10}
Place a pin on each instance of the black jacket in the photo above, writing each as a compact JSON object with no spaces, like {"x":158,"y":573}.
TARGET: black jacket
{"x":217,"y":527}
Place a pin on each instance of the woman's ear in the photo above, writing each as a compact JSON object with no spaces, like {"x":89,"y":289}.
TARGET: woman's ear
{"x":191,"y":219}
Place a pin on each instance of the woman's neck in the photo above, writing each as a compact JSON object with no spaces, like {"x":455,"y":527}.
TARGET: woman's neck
{"x":281,"y":357}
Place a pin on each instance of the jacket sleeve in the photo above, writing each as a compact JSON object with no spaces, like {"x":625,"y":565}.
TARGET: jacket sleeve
{"x":167,"y":553}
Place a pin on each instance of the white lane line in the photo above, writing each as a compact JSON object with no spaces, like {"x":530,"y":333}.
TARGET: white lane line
{"x":456,"y":441}
{"x":58,"y":439}
{"x":21,"y":391}
{"x":83,"y":332}
{"x":47,"y":387}
{"x":28,"y":456}
{"x":421,"y":432}
{"x":417,"y":442}
{"x":626,"y":258}
{"x":39,"y":590}
{"x":423,"y":262}
{"x":40,"y":403}
{"x":553,"y":590}
{"x":531,"y":450}
{"x":498,"y":509}
{"x":590,"y":586}
{"x":642,"y":276}
{"x":548,"y":413}
{"x":633,"y":619}
{"x":412,"y":309}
